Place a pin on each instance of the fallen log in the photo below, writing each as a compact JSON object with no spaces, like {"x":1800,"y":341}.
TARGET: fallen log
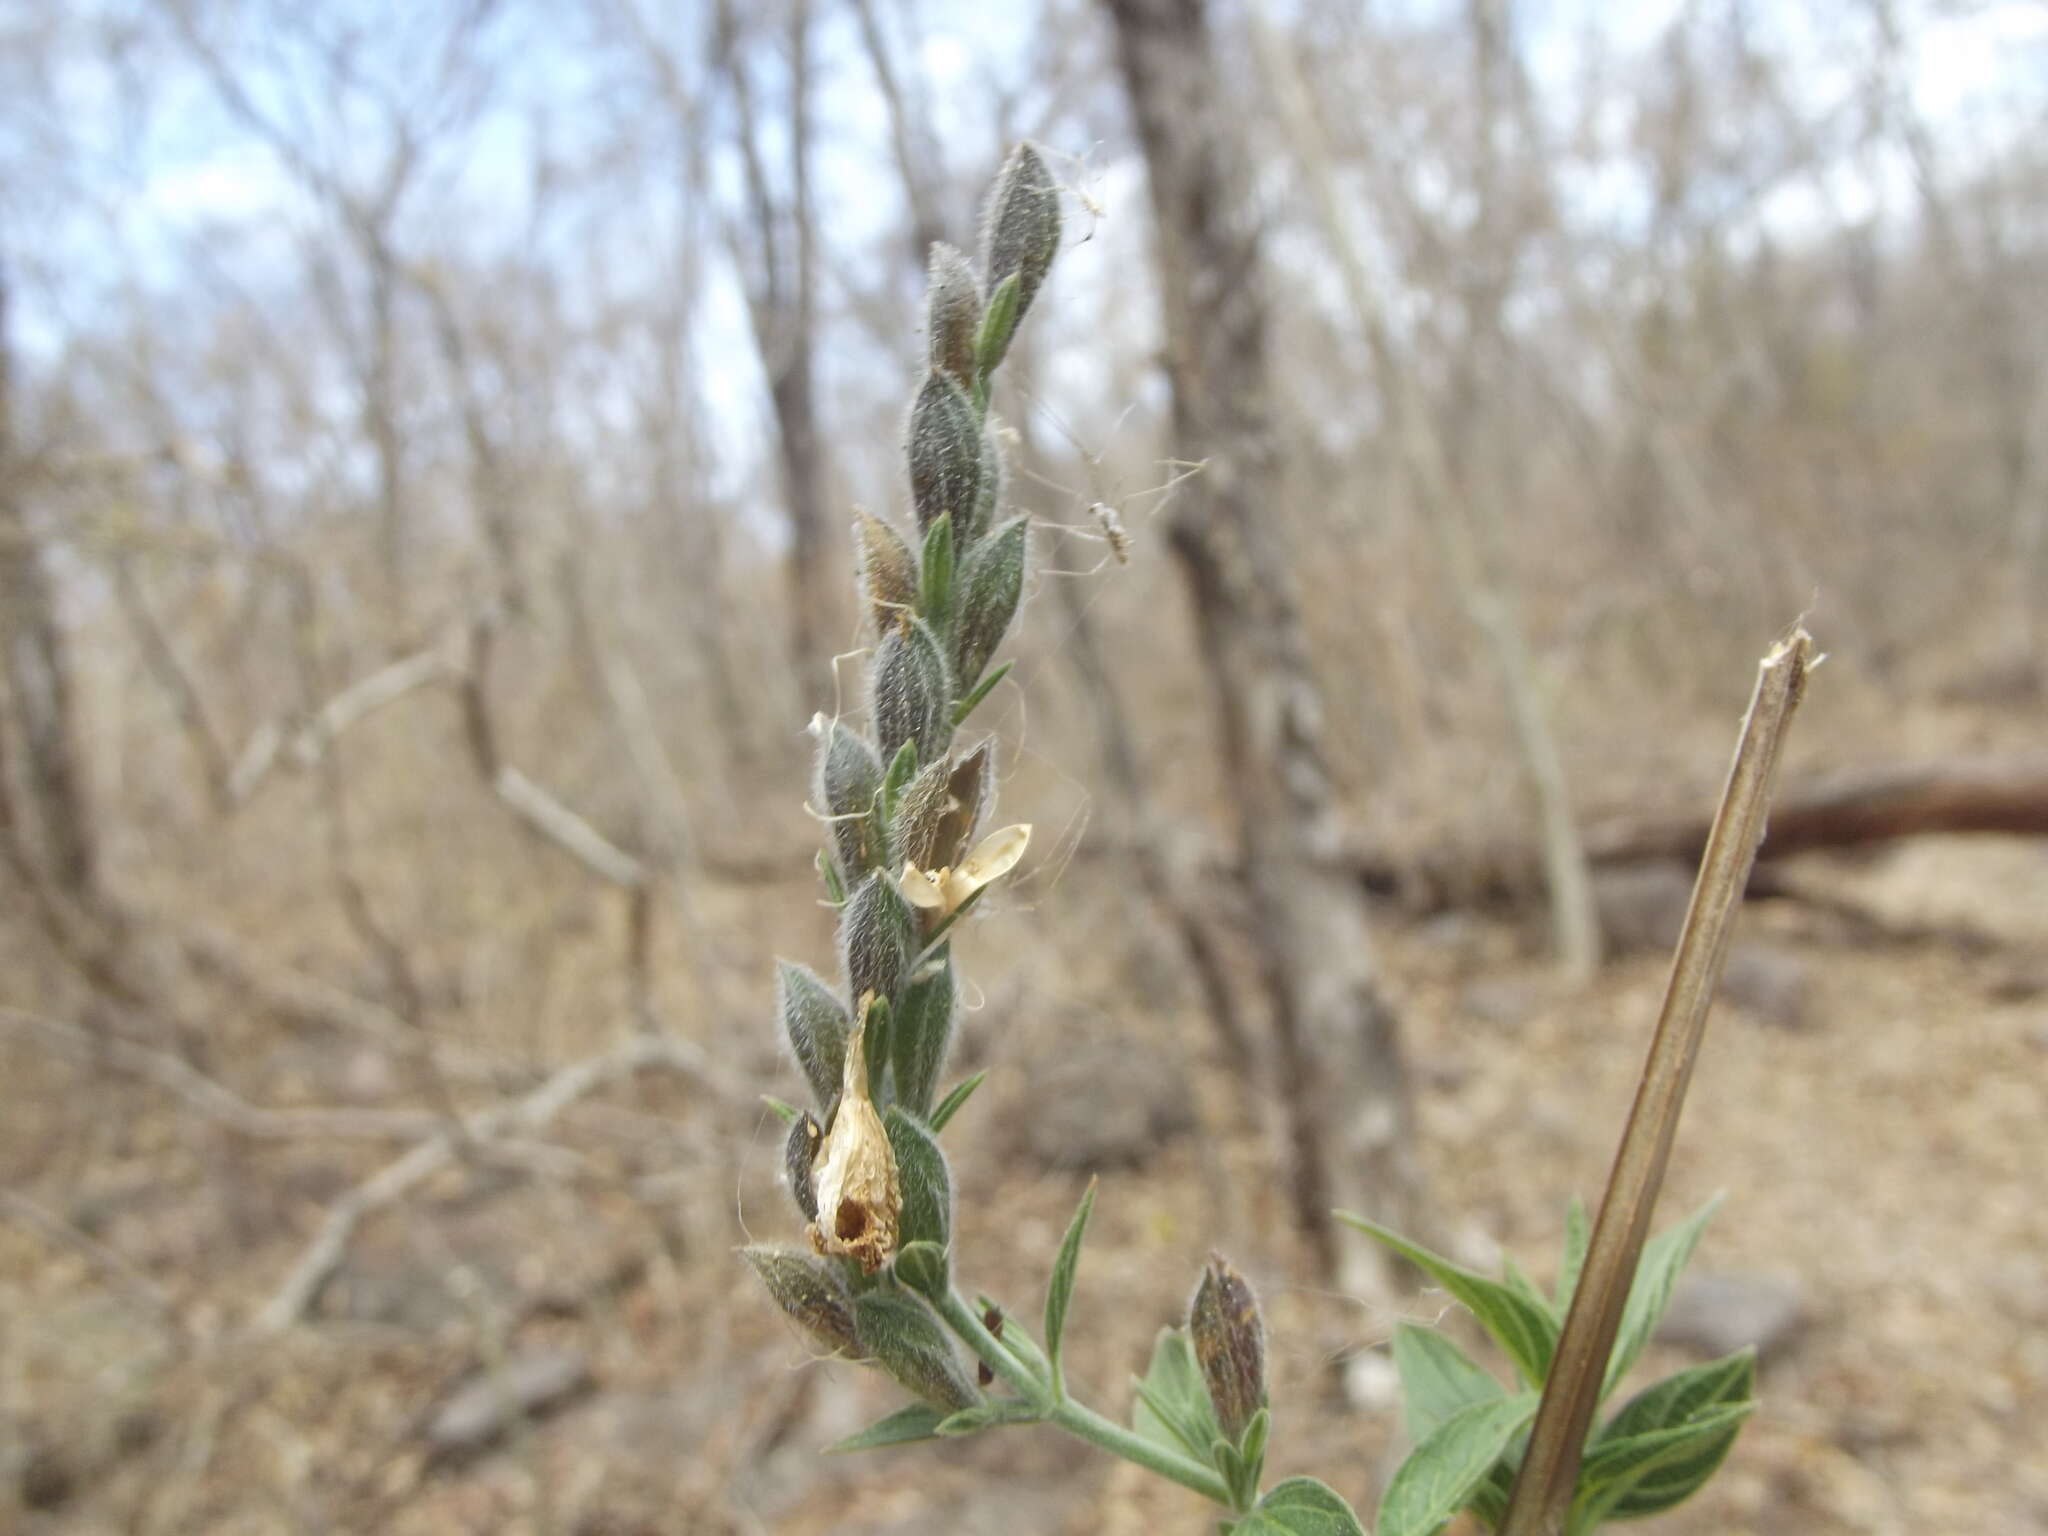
{"x":1860,"y":806}
{"x":1849,"y":809}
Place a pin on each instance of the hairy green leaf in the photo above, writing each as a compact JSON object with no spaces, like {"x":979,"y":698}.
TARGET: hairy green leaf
{"x":1061,"y":1289}
{"x":1441,"y":1474}
{"x":1436,"y":1379}
{"x":1524,"y":1329}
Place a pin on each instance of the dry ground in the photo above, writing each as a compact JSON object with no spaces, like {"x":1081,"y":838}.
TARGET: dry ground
{"x":1884,"y":1154}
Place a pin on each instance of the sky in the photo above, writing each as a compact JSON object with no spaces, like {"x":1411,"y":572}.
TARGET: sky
{"x":121,"y":166}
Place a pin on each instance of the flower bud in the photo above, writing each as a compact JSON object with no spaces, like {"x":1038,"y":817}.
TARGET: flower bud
{"x":888,"y":576}
{"x":880,"y":934}
{"x":815,"y":1023}
{"x":1020,"y":235}
{"x":799,"y":1154}
{"x":907,"y":1342}
{"x":952,"y":313}
{"x":848,"y":775}
{"x":1230,"y":1346}
{"x":811,"y":1292}
{"x":913,"y":690}
{"x":944,"y":450}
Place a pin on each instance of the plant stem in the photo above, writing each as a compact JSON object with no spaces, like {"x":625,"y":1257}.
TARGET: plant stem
{"x":1082,"y":1422}
{"x":1091,"y":1426}
{"x":1541,"y":1501}
{"x":960,"y":1318}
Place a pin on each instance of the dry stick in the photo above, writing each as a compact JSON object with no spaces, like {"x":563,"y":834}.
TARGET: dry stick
{"x":150,"y":1297}
{"x":215,"y":1099}
{"x":1542,"y":1497}
{"x":303,"y":747}
{"x":400,"y":1177}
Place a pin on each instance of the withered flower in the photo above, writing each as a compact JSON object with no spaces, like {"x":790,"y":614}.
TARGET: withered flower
{"x":854,"y":1177}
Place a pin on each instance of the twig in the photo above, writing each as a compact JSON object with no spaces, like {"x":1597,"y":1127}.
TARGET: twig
{"x":1541,"y":1501}
{"x":304,"y":746}
{"x":561,"y":826}
{"x":151,"y":1297}
{"x":214,"y":1099}
{"x":401,"y":1176}
{"x":306,"y":999}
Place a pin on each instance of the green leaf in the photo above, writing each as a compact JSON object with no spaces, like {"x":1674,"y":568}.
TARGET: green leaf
{"x":1682,"y":1400}
{"x":935,"y":583}
{"x":1436,"y":1379}
{"x":1665,"y":1465}
{"x":1576,"y":1234}
{"x":902,"y":769}
{"x":1511,"y":1274}
{"x":991,"y":585}
{"x":920,"y":1421}
{"x":1061,"y":1289}
{"x":1256,"y":1434}
{"x":1650,"y":1293}
{"x":1173,"y":1407}
{"x":949,"y":1106}
{"x":1300,"y":1506}
{"x":1524,"y":1329}
{"x":835,"y":888}
{"x":980,"y":691}
{"x":998,"y":325}
{"x":1489,"y":1500}
{"x":922,"y":1178}
{"x":786,"y":1112}
{"x":1441,"y":1474}
{"x":923,"y":1030}
{"x":922,"y":1266}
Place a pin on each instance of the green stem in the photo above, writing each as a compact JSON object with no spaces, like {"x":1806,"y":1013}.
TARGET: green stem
{"x":1083,"y":1422}
{"x":1091,"y":1426}
{"x":960,"y":1317}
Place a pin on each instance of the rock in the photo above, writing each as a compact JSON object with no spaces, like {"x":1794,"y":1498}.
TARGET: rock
{"x":525,"y":1386}
{"x":1642,"y":906}
{"x":1107,"y":1104}
{"x":1769,"y":981}
{"x":1717,"y":1313}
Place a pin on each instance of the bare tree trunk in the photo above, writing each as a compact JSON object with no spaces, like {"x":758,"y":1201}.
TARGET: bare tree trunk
{"x":1336,"y":1043}
{"x":781,"y":253}
{"x":35,"y":677}
{"x":1462,"y":518}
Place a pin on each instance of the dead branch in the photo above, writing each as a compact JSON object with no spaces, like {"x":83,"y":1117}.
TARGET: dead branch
{"x":148,"y":1296}
{"x":214,"y":1099}
{"x":525,"y":1116}
{"x":561,"y":826}
{"x":1864,"y":805}
{"x":304,"y":999}
{"x":304,"y":745}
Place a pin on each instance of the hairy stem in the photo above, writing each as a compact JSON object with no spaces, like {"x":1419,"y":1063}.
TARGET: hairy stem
{"x":1077,"y":1420}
